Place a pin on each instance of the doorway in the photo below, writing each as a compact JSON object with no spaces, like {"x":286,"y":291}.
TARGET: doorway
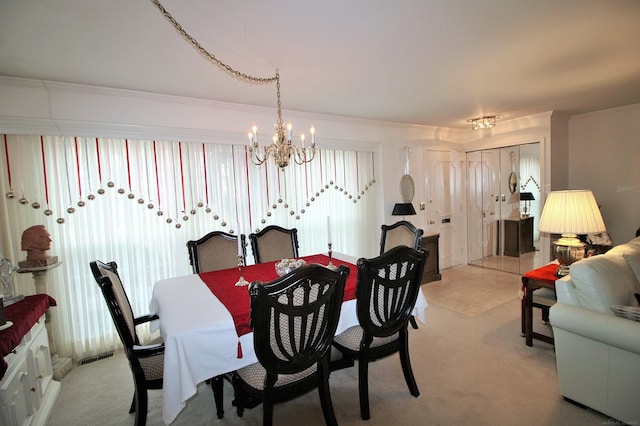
{"x":444,"y":206}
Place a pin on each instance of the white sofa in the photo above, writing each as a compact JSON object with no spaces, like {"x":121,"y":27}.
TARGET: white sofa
{"x":598,"y":352}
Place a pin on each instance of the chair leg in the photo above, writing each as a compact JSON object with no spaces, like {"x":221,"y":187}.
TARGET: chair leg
{"x":413,"y":322}
{"x":325,"y":396}
{"x":267,"y":411}
{"x":363,"y":388}
{"x":217,"y":388}
{"x":141,"y":407}
{"x":406,"y":364}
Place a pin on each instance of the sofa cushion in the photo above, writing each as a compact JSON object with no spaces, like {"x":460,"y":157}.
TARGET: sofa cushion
{"x":603,"y":281}
{"x":633,"y":260}
{"x":627,"y":248}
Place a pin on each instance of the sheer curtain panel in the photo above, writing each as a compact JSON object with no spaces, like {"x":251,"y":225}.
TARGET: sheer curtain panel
{"x":139,"y":201}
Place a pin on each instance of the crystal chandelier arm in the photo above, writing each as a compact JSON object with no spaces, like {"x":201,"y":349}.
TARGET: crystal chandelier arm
{"x":254,"y":155}
{"x":300,"y":156}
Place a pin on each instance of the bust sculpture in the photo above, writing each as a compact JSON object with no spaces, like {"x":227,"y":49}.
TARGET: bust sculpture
{"x":36,"y":240}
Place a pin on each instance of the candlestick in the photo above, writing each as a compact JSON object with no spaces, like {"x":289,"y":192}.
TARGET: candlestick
{"x":330,"y":265}
{"x":241,"y":281}
{"x":329,"y":229}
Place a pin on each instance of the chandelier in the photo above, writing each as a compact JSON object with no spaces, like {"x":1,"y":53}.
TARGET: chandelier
{"x":484,"y":122}
{"x":282,"y":148}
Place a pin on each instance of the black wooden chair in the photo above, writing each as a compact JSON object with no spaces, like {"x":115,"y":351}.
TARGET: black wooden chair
{"x":146,"y":362}
{"x":215,"y":251}
{"x":401,"y":233}
{"x":294,"y":319}
{"x":274,"y":243}
{"x":386,"y":293}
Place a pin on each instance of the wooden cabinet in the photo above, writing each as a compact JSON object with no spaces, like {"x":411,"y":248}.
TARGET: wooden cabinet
{"x":518,"y":236}
{"x":432,"y":268}
{"x":27,"y":390}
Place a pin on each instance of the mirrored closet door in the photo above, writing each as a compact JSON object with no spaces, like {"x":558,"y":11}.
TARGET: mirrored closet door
{"x":503,"y":208}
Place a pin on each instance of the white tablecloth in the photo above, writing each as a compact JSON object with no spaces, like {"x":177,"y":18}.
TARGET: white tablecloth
{"x":201,"y":340}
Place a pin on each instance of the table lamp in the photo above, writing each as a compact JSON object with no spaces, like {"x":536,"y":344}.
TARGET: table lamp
{"x":527,"y":197}
{"x":403,"y":209}
{"x":570,"y":213}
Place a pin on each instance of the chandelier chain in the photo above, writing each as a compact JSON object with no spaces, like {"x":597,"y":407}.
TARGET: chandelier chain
{"x":211,"y":56}
{"x":281,"y":149}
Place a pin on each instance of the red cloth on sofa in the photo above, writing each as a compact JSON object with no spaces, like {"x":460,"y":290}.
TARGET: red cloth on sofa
{"x":237,"y":300}
{"x":24,"y":314}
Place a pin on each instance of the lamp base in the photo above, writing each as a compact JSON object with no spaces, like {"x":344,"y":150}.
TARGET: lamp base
{"x":568,"y":249}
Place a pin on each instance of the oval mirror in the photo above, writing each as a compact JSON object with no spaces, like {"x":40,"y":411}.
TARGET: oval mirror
{"x":407,"y":188}
{"x":513,"y":182}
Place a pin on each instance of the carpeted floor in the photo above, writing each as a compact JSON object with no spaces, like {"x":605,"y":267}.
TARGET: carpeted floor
{"x":469,"y":360}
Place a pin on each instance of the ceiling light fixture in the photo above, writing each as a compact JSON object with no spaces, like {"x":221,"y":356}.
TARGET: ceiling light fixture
{"x":484,"y":122}
{"x":282,"y":148}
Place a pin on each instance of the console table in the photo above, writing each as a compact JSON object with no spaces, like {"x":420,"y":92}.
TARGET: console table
{"x":27,"y":389}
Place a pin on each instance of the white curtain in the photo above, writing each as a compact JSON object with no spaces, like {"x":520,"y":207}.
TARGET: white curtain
{"x":530,"y":182}
{"x":138,"y":202}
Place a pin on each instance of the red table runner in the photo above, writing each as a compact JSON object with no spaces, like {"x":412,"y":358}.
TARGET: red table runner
{"x":237,"y":300}
{"x":24,"y":314}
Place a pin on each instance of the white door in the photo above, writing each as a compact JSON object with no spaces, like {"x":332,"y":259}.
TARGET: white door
{"x":445,"y":207}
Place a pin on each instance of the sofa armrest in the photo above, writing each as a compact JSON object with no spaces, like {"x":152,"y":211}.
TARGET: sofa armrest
{"x":607,"y":329}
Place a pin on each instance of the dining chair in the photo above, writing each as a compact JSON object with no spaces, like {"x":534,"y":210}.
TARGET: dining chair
{"x":274,"y":243}
{"x":146,"y":362}
{"x":386,"y":292}
{"x":215,"y":251}
{"x":401,"y":233}
{"x":294,"y":319}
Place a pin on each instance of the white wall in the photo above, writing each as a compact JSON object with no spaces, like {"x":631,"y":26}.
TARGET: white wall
{"x":604,"y":156}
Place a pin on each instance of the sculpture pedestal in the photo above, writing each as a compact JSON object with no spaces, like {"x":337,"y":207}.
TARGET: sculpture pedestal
{"x":61,"y":366}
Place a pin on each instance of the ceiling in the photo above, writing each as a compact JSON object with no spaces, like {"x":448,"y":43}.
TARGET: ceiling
{"x":429,"y":62}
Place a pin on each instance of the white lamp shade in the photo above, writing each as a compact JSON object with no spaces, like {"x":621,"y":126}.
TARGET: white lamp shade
{"x":571,"y":212}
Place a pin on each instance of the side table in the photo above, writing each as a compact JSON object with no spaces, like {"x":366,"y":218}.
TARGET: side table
{"x":543,"y":277}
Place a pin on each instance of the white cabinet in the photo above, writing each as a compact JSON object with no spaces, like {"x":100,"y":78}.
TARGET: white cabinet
{"x":27,"y":390}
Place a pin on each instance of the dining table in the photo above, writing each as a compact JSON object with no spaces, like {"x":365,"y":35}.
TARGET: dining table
{"x":204,"y":320}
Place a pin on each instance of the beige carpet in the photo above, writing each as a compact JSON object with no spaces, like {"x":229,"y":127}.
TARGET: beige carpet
{"x":476,"y":290}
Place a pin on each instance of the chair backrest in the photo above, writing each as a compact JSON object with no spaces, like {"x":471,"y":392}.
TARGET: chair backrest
{"x":215,"y":251}
{"x":401,"y":233}
{"x":294,"y":317}
{"x":387,"y":289}
{"x":106,"y":275}
{"x":274,"y":243}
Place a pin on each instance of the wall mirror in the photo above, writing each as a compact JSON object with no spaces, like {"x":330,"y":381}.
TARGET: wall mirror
{"x":407,"y":188}
{"x":513,"y":182}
